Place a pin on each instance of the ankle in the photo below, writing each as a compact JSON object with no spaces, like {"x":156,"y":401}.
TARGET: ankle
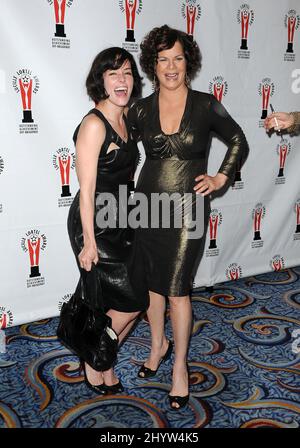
{"x":158,"y":346}
{"x":109,"y":375}
{"x":180,"y":365}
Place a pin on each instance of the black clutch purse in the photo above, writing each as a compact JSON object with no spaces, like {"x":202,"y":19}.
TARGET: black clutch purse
{"x":84,"y":328}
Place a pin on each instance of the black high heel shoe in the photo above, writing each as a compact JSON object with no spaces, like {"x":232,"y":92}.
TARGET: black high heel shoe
{"x":113,"y":389}
{"x":148,"y":373}
{"x":99,"y":389}
{"x":180,"y":401}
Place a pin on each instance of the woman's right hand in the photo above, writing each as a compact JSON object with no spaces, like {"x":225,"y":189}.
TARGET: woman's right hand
{"x":87,"y":256}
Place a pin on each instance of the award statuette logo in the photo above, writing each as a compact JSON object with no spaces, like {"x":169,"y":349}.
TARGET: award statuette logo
{"x":234,"y":272}
{"x":266,"y":91}
{"x":1,"y":171}
{"x":297,"y":211}
{"x":26,"y":84}
{"x":258,"y":213}
{"x":6,"y":318}
{"x":215,"y":220}
{"x":277,"y":263}
{"x":191,"y":12}
{"x":64,"y":161}
{"x":33,"y":243}
{"x":283,"y":150}
{"x":245,"y":18}
{"x":131,"y":8}
{"x":292,"y":22}
{"x":218,"y":87}
{"x":60,"y":41}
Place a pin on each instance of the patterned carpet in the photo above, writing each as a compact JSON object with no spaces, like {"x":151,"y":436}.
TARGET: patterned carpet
{"x":244,"y":362}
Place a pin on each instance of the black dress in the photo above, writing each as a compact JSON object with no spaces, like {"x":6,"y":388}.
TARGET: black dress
{"x":171,"y":165}
{"x":120,"y":269}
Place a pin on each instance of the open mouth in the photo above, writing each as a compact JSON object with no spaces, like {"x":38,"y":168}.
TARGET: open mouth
{"x":171,"y":76}
{"x":121,"y":92}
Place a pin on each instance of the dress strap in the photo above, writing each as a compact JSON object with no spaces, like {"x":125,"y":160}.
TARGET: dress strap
{"x":110,"y":134}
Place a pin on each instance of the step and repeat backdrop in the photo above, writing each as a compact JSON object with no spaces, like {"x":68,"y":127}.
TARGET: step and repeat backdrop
{"x":251,"y":59}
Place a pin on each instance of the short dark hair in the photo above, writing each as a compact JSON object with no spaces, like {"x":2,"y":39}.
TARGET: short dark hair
{"x":110,"y":59}
{"x":164,"y":38}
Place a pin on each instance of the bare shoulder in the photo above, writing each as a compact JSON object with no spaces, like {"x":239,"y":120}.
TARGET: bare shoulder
{"x":92,"y":129}
{"x":92,"y":123}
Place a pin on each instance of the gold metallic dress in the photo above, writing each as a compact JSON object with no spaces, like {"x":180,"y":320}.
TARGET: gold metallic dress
{"x":171,"y":165}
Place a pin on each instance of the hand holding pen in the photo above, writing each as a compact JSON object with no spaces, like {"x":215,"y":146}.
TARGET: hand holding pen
{"x":278,"y":120}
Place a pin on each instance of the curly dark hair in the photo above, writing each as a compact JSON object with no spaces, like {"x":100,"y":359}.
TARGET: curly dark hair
{"x":164,"y":38}
{"x":110,"y":59}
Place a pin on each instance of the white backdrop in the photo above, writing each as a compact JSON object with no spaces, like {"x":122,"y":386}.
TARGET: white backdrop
{"x":47,"y":47}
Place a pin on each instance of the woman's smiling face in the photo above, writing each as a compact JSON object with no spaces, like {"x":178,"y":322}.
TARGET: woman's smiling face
{"x":118,"y":84}
{"x":171,"y":67}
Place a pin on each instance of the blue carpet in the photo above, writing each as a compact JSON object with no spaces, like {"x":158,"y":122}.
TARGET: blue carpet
{"x":244,"y":363}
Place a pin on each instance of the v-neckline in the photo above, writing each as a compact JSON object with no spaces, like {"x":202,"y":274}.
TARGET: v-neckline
{"x":182,"y":118}
{"x":118,"y":135}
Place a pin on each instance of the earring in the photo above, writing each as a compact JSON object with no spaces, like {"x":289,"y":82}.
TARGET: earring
{"x":155,"y":83}
{"x":187,"y":80}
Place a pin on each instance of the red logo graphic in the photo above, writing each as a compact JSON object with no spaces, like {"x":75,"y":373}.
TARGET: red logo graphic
{"x":266,"y":90}
{"x":131,"y":8}
{"x":63,"y":161}
{"x":191,"y":12}
{"x":218,"y":87}
{"x":59,"y":12}
{"x":26,"y":84}
{"x":283,"y":150}
{"x":297,"y":211}
{"x":277,"y":263}
{"x":6,"y":318}
{"x":33,"y":243}
{"x":258,"y":214}
{"x":234,"y":271}
{"x":292,"y":22}
{"x":3,"y":320}
{"x":245,"y":17}
{"x":215,"y":219}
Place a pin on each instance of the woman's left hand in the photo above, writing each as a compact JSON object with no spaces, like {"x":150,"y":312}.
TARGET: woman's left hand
{"x":208,"y":184}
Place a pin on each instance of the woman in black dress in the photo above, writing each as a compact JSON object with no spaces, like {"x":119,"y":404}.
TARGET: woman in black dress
{"x":174,"y":124}
{"x":105,"y":160}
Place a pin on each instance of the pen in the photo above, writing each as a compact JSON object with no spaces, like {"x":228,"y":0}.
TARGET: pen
{"x":276,"y":122}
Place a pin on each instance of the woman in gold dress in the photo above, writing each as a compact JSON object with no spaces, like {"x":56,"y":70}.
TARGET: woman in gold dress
{"x":174,"y":124}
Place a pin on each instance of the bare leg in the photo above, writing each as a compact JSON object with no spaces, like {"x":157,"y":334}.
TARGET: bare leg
{"x":181,"y":318}
{"x":95,"y":378}
{"x":156,"y":317}
{"x":126,"y":330}
{"x":121,"y":323}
